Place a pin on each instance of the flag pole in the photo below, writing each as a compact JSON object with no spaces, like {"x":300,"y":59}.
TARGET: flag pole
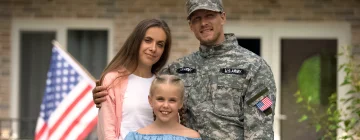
{"x":59,"y":46}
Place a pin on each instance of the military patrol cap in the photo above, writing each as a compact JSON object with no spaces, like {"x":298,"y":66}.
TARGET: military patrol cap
{"x":212,"y":5}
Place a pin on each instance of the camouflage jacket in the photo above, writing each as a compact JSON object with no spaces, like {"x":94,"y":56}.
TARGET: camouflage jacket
{"x":222,"y":85}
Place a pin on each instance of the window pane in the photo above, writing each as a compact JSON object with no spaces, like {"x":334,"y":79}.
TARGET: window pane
{"x":252,"y":44}
{"x":89,"y":47}
{"x":35,"y":54}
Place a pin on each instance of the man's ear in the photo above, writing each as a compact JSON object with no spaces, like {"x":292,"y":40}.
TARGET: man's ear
{"x":190,"y":25}
{"x":223,"y":17}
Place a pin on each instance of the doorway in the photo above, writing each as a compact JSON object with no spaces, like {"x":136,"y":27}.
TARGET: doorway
{"x":312,"y":61}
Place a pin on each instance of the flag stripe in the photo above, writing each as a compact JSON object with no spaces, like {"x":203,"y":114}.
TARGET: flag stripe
{"x":77,"y":130}
{"x":77,"y":120}
{"x":63,"y":106}
{"x":52,"y":129}
{"x":267,"y":103}
{"x":87,"y":129}
{"x":40,"y":133}
{"x":73,"y":114}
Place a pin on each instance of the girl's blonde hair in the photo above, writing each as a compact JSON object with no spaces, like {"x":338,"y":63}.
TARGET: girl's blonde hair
{"x":167,"y":79}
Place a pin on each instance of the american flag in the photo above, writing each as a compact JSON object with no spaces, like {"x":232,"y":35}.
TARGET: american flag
{"x":264,"y":104}
{"x":67,"y":108}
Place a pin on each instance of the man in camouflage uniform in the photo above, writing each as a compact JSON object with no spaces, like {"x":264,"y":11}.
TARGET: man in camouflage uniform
{"x":224,"y":82}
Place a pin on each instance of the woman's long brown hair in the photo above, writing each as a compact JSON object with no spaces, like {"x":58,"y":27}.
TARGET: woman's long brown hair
{"x":128,"y":55}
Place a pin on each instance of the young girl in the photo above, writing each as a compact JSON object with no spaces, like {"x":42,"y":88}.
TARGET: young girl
{"x":128,"y":77}
{"x":166,"y":98}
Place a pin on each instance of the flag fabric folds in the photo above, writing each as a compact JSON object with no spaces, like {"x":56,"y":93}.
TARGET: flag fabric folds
{"x":67,"y":110}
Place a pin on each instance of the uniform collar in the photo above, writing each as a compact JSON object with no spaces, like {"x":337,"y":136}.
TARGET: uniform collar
{"x":228,"y":44}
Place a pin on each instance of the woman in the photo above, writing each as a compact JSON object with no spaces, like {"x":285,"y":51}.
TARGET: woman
{"x":128,"y":78}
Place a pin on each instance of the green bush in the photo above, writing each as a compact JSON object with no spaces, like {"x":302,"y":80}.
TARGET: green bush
{"x":308,"y":97}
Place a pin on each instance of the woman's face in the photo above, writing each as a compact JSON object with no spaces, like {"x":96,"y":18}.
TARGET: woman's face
{"x":152,"y":47}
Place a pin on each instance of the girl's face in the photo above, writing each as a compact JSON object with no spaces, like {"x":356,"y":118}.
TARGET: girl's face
{"x":152,"y":47}
{"x":166,"y":100}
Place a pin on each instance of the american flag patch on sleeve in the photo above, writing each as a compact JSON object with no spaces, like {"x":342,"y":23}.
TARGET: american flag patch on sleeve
{"x":264,"y":104}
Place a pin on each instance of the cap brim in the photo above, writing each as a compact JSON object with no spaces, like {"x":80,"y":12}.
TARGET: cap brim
{"x":202,"y":8}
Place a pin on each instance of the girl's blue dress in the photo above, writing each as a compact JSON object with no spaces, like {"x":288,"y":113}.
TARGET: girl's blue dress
{"x":138,"y":136}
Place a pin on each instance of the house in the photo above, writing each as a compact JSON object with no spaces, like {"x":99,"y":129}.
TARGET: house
{"x":283,"y":32}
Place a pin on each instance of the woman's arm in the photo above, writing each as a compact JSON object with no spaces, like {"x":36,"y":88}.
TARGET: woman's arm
{"x":107,"y":119}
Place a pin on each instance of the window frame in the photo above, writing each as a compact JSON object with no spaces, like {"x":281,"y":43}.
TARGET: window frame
{"x":60,"y":27}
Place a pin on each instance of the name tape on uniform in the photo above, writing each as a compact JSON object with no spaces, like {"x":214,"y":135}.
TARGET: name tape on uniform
{"x":186,"y":70}
{"x":232,"y":71}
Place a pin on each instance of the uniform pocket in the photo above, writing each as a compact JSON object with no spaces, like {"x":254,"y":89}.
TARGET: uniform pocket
{"x":192,"y":97}
{"x":227,"y":92}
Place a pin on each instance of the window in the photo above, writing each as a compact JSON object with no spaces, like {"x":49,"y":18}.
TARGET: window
{"x":87,"y":43}
{"x":89,"y":48}
{"x":35,"y":53}
{"x":252,"y":44}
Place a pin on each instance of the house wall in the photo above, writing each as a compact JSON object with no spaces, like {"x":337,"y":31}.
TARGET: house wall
{"x":127,"y":13}
{"x":5,"y":56}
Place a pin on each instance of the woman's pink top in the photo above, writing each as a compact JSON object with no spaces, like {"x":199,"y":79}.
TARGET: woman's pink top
{"x":110,"y":113}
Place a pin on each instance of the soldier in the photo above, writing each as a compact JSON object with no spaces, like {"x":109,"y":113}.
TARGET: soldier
{"x":230,"y":91}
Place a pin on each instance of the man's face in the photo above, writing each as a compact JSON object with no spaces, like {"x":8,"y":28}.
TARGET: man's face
{"x":208,"y":26}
